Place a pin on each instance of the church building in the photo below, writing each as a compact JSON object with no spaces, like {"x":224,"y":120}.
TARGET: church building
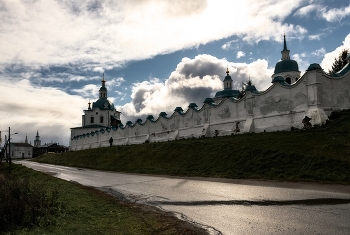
{"x":102,"y":114}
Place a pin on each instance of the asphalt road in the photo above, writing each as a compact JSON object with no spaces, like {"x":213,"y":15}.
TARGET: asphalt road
{"x":225,"y":206}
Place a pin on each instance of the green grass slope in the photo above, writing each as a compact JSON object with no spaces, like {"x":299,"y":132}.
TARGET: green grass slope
{"x":321,"y":154}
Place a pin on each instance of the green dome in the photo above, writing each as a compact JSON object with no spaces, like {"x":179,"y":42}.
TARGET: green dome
{"x":251,"y":88}
{"x":286,"y":66}
{"x":227,"y":93}
{"x":314,"y":66}
{"x":227,"y":77}
{"x":103,"y":104}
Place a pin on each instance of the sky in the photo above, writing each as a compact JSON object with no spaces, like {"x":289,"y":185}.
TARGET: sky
{"x":155,"y":55}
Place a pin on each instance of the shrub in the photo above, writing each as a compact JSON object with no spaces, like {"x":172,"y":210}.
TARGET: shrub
{"x":25,"y":203}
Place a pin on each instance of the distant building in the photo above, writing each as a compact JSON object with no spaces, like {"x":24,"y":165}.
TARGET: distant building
{"x":49,"y":148}
{"x":46,"y":148}
{"x":37,"y":141}
{"x":20,"y":150}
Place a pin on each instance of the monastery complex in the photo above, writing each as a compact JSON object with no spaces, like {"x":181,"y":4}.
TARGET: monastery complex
{"x":283,"y":106}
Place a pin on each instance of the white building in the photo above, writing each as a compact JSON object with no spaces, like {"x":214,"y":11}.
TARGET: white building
{"x":102,"y":114}
{"x":282,"y":106}
{"x":20,"y":150}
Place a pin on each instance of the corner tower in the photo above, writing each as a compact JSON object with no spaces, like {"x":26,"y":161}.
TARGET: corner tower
{"x":286,"y":68}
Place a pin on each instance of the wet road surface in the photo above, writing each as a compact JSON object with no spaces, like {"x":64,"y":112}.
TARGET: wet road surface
{"x":225,"y":206}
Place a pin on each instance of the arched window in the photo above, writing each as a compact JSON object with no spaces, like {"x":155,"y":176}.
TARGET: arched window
{"x":101,"y":119}
{"x":288,"y":80}
{"x":91,"y":119}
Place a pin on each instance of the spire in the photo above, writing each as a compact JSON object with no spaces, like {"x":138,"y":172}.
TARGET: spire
{"x":89,"y":105}
{"x":285,"y":43}
{"x":227,"y":72}
{"x":37,"y":141}
{"x":285,"y":52}
{"x":26,"y":141}
{"x":103,"y":80}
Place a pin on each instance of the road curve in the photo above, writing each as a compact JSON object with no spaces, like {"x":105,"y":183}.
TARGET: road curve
{"x":226,"y":206}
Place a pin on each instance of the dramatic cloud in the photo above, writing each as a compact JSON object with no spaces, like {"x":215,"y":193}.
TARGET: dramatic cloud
{"x":191,"y":82}
{"x":97,"y":35}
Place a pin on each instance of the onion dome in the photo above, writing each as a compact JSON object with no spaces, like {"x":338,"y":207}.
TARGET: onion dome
{"x":227,"y":92}
{"x":314,"y":66}
{"x":286,"y":66}
{"x":103,"y":103}
{"x":251,"y":87}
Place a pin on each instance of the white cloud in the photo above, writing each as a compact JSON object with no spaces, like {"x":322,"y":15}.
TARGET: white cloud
{"x":335,"y":15}
{"x":106,"y":34}
{"x":28,"y":109}
{"x":233,"y":44}
{"x":329,"y":57}
{"x":302,"y":61}
{"x":191,"y":82}
{"x":331,"y":15}
{"x":87,"y":91}
{"x":320,"y":52}
{"x":92,"y":90}
{"x":315,"y":37}
{"x":306,"y":10}
{"x":240,"y":54}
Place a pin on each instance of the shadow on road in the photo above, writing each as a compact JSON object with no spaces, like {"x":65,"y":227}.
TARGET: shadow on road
{"x":305,"y":202}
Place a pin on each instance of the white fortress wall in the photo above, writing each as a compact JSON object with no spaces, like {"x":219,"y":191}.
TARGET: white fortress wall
{"x":280,"y":107}
{"x":334,"y":92}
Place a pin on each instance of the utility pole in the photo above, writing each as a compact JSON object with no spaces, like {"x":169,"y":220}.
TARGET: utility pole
{"x":9,"y":146}
{"x":10,"y":158}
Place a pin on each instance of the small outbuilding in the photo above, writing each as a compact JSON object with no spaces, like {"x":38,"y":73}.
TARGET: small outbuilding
{"x":20,"y":150}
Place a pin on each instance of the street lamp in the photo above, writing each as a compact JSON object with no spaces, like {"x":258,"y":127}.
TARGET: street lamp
{"x":10,"y":144}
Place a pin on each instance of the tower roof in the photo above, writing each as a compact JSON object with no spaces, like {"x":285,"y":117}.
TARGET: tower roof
{"x":227,"y":77}
{"x":103,"y":103}
{"x":285,"y":43}
{"x":286,"y":64}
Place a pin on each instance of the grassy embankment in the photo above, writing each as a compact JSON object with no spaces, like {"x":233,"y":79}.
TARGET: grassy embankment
{"x":321,"y":154}
{"x":35,"y":203}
